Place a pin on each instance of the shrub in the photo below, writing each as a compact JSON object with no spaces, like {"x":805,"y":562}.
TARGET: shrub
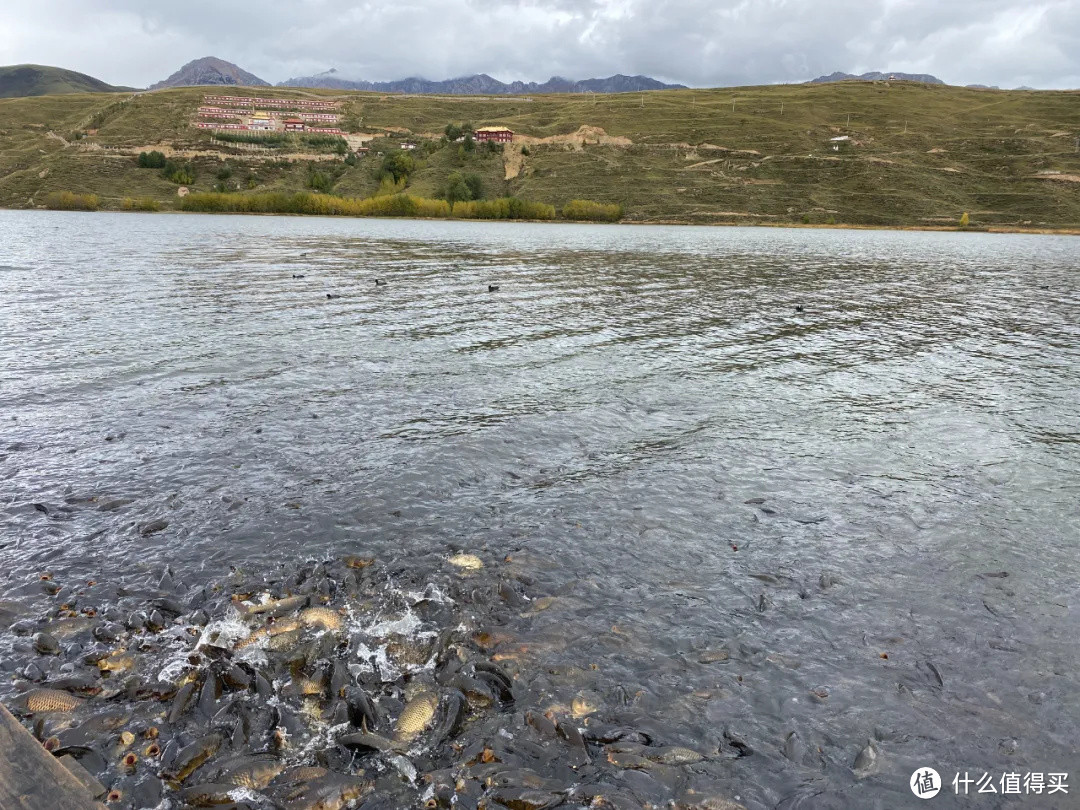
{"x":503,"y":208}
{"x":390,"y":205}
{"x":69,"y":201}
{"x":181,"y":174}
{"x":224,"y":173}
{"x":525,"y":151}
{"x":152,"y":160}
{"x":965,"y":220}
{"x":140,"y":204}
{"x":589,"y":210}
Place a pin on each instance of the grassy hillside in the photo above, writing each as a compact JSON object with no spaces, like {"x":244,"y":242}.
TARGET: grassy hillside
{"x":17,"y":81}
{"x":914,"y":154}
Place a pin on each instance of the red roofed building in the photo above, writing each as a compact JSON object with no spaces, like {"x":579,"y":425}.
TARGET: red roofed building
{"x":497,"y":134}
{"x":294,"y":125}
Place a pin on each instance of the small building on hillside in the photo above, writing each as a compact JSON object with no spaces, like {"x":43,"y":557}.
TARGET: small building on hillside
{"x":261,"y":121}
{"x":497,"y":134}
{"x":294,"y":125}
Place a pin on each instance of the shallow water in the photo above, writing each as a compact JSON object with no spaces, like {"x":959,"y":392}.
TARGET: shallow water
{"x":639,"y":417}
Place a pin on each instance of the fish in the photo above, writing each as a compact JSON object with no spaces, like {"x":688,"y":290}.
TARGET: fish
{"x":191,"y":757}
{"x":366,"y":741}
{"x":330,"y":792}
{"x":40,"y":701}
{"x":417,"y":715}
{"x":45,"y":644}
{"x":208,"y":794}
{"x":274,"y":607}
{"x":466,"y":562}
{"x":116,"y":663}
{"x":867,"y":761}
{"x":321,"y":617}
{"x":180,"y":702}
{"x":675,"y":755}
{"x":254,"y":772}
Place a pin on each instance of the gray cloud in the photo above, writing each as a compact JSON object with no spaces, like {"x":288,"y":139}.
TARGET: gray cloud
{"x":696,"y":42}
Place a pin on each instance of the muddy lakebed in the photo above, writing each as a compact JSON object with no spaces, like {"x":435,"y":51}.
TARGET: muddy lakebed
{"x":675,"y":518}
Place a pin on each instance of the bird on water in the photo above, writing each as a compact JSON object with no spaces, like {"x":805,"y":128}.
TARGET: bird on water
{"x":493,"y":287}
{"x":379,"y":282}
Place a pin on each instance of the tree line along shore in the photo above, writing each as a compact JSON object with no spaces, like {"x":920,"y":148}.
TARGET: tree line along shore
{"x":879,"y":154}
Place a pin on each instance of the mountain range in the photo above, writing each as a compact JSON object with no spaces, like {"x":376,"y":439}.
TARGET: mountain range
{"x":480,"y":84}
{"x":39,"y":80}
{"x":876,"y":76}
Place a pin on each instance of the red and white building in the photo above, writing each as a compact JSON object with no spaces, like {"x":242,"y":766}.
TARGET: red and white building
{"x":294,"y":125}
{"x":496,"y":134}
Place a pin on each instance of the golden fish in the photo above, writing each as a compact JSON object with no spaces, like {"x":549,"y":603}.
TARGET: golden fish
{"x":417,"y":715}
{"x":50,"y":700}
{"x":323,"y":617}
{"x":467,"y":562}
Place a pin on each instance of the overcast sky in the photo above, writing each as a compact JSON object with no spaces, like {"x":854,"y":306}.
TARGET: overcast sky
{"x":702,"y":43}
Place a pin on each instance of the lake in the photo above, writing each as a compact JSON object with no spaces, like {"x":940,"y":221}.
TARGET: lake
{"x":775,"y":496}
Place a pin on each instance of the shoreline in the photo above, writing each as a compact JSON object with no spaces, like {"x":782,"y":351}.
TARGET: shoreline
{"x":998,"y":229}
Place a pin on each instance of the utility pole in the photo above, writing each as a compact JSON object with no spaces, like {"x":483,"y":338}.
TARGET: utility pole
{"x":733,"y":104}
{"x":781,"y":108}
{"x":849,"y":120}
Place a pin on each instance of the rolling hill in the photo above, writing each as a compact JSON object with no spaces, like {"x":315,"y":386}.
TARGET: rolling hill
{"x":17,"y":81}
{"x":892,"y":154}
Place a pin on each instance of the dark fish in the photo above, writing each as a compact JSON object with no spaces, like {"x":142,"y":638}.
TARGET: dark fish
{"x":207,"y":795}
{"x":191,"y":757}
{"x":153,"y":527}
{"x":45,"y":644}
{"x":180,"y":702}
{"x":330,"y":792}
{"x":366,"y":741}
{"x":363,"y":712}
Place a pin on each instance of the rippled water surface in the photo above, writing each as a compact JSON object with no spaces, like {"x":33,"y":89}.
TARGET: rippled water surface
{"x":734,"y":501}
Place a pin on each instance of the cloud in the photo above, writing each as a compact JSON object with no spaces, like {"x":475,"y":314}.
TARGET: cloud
{"x":696,"y":42}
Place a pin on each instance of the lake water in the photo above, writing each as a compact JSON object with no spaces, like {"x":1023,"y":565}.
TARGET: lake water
{"x":747,"y":463}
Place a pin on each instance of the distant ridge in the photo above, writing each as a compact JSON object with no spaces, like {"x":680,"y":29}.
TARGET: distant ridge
{"x":17,"y":81}
{"x":480,"y":84}
{"x":876,"y":76}
{"x":210,"y":71}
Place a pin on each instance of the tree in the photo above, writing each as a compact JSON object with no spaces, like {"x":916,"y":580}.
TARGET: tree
{"x":469,"y":145}
{"x":398,"y":165}
{"x":457,"y":190}
{"x":964,"y":220}
{"x":475,"y":184}
{"x":151,"y":160}
{"x":453,"y":132}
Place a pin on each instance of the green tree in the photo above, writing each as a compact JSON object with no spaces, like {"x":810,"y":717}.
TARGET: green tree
{"x":181,"y":174}
{"x":224,"y":173}
{"x":398,"y":165}
{"x":469,"y":144}
{"x":151,"y":160}
{"x":453,"y":132}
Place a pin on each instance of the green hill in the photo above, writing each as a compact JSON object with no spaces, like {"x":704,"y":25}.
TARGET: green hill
{"x":17,"y":81}
{"x":898,"y":154}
